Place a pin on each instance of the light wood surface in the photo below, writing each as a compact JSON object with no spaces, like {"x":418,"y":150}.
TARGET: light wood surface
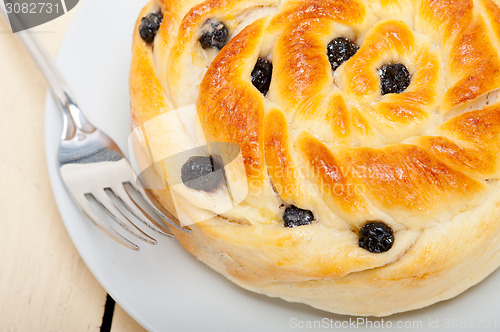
{"x":44,"y":284}
{"x":122,"y":322}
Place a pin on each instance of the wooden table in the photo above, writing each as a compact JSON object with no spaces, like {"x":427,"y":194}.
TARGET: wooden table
{"x":44,"y":284}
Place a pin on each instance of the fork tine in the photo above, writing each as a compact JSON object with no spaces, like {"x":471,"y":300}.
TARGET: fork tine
{"x":88,"y":210}
{"x":123,"y":197}
{"x":105,"y":202}
{"x":146,"y":201}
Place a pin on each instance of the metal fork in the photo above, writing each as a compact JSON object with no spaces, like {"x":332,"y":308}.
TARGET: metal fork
{"x":93,"y":168}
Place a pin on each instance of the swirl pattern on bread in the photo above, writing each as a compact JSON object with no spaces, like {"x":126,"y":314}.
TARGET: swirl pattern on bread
{"x":424,"y":161}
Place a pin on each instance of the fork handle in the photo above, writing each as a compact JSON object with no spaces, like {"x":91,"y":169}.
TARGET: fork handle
{"x":73,"y":119}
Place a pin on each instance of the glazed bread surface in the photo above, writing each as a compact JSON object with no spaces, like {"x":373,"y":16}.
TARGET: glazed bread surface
{"x":424,"y":160}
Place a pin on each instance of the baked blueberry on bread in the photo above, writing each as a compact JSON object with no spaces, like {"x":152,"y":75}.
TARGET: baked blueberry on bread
{"x":369,"y":134}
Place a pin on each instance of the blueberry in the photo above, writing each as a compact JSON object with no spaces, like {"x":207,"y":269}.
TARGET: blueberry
{"x":201,"y":173}
{"x":149,"y":26}
{"x":376,"y":237}
{"x":294,"y":217}
{"x":395,"y":78}
{"x":214,"y":34}
{"x":340,"y":50}
{"x":261,"y":75}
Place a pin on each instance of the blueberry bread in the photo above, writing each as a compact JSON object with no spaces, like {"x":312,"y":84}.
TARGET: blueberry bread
{"x":369,"y":137}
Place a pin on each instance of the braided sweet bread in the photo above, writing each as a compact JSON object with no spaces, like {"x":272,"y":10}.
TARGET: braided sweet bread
{"x":369,"y":137}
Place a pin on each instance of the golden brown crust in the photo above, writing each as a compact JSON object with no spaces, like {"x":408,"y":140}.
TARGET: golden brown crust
{"x":278,"y":154}
{"x":425,"y":161}
{"x":233,"y":107}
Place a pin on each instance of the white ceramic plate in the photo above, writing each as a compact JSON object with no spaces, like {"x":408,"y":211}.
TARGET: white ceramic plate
{"x":163,"y":287}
